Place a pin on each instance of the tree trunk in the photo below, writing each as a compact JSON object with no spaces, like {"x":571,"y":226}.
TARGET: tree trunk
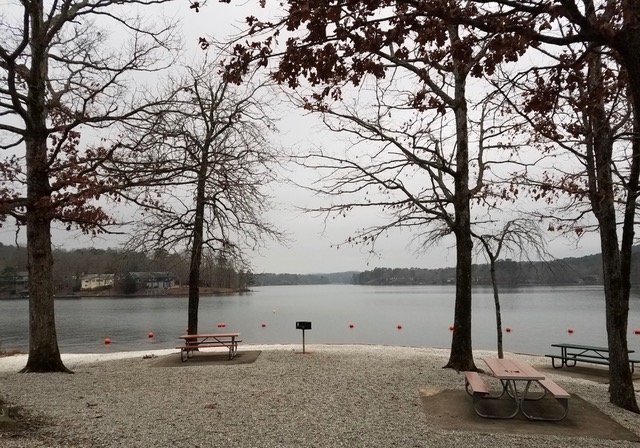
{"x":496,"y":300}
{"x":621,"y":392}
{"x":194,"y":280}
{"x":461,"y":357}
{"x":196,"y":248}
{"x":44,"y":354}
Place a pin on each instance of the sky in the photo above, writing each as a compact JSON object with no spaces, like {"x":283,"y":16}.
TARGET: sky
{"x":311,"y":240}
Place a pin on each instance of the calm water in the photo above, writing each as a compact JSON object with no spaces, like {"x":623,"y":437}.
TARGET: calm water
{"x":538,"y":316}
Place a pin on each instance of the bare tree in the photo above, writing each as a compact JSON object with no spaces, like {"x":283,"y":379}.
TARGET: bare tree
{"x":204,"y":160}
{"x":58,"y":76}
{"x":520,"y":237}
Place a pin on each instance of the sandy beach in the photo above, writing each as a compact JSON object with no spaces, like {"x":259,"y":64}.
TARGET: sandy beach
{"x":335,"y":396}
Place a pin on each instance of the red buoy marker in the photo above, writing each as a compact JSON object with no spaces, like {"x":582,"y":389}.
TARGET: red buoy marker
{"x":399,"y":327}
{"x":570,"y":330}
{"x":222,"y":324}
{"x":151,"y":335}
{"x":352,"y":326}
{"x":451,"y":327}
{"x":107,"y":341}
{"x":263,"y":325}
{"x":508,"y":329}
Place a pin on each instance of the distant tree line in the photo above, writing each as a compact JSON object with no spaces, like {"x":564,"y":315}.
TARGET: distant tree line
{"x":567,"y":271}
{"x":71,"y":265}
{"x":269,"y":279}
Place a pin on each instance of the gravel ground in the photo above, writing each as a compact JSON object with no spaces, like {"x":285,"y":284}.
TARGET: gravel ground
{"x":351,"y":396}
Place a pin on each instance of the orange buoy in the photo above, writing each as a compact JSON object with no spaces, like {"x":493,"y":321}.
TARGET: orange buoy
{"x":451,"y":327}
{"x":570,"y":330}
{"x":263,"y":325}
{"x":399,"y":327}
{"x":636,"y":331}
{"x":508,"y":329}
{"x":107,"y":341}
{"x":351,"y":326}
{"x":151,"y":335}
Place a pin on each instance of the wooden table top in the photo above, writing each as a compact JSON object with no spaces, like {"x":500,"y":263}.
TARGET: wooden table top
{"x":512,"y":369}
{"x":209,"y":335}
{"x":584,"y":347}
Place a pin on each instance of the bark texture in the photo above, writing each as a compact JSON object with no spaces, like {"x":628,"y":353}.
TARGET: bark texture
{"x":44,"y":354}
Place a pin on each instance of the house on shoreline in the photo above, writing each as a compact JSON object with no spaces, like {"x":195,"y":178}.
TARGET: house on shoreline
{"x":129,"y":282}
{"x":92,"y":282}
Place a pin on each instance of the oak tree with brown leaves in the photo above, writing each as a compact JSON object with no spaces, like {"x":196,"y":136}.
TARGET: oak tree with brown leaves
{"x":58,"y":79}
{"x":333,"y":45}
{"x":596,"y":84}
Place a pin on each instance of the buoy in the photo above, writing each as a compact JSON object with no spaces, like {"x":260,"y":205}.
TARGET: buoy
{"x":351,"y":326}
{"x":451,"y":327}
{"x":508,"y":329}
{"x":637,"y":331}
{"x":263,"y":325}
{"x":570,"y":330}
{"x":151,"y":335}
{"x":107,"y":341}
{"x":222,"y":325}
{"x":399,"y":327}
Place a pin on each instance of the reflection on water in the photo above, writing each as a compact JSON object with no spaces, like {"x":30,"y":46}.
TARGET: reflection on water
{"x":537,"y":316}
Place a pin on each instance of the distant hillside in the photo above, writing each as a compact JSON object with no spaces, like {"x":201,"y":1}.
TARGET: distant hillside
{"x":268,"y":279}
{"x":566,"y":271}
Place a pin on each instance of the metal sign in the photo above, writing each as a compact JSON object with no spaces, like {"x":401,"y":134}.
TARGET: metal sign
{"x":303,"y":325}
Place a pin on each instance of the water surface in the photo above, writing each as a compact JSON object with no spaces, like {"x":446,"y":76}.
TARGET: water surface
{"x":537,"y":317}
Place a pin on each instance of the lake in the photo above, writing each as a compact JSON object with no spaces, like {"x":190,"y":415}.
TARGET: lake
{"x":537,"y":316}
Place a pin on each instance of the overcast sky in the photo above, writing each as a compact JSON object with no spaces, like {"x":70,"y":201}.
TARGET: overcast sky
{"x":311,"y":240}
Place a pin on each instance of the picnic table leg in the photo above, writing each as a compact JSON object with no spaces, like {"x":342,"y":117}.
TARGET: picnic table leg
{"x":234,"y":348}
{"x":563,"y":402}
{"x":526,"y":396}
{"x":477,"y":399}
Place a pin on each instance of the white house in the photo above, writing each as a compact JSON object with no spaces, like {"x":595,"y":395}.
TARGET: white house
{"x":96,"y":281}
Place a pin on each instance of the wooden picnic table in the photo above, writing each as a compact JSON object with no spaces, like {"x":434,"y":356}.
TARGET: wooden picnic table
{"x":516,"y":378}
{"x":194,"y":342}
{"x":572,"y":353}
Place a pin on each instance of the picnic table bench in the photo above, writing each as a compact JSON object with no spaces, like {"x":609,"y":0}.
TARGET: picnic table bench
{"x":513,"y":373}
{"x":194,"y":342}
{"x":572,"y":353}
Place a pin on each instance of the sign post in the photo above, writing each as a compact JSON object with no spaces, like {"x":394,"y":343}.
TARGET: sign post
{"x":303,"y":325}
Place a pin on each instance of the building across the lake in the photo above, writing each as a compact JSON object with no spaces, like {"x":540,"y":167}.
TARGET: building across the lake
{"x":90,"y":282}
{"x":141,"y":280}
{"x":153,"y":280}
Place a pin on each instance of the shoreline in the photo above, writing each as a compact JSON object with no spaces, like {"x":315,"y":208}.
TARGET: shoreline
{"x":15,"y":362}
{"x":149,"y":293}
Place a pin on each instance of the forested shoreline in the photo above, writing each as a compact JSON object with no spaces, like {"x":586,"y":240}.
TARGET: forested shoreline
{"x":218,"y":274}
{"x":567,"y":271}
